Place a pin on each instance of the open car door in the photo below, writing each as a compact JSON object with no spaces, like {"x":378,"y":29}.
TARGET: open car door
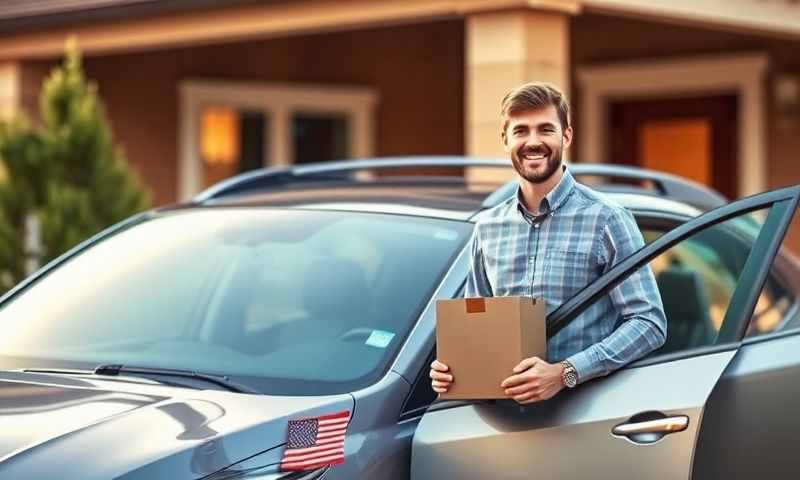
{"x":642,"y":421}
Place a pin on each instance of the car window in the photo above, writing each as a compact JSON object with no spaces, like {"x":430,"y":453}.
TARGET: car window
{"x":776,"y":308}
{"x":421,"y":394}
{"x":292,"y":301}
{"x":697,"y":278}
{"x":717,"y":270}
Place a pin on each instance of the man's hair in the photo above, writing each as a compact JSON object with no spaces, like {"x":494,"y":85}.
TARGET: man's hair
{"x":534,"y":95}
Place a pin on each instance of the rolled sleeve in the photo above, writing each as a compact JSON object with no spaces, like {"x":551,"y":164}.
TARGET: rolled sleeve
{"x":642,"y":325}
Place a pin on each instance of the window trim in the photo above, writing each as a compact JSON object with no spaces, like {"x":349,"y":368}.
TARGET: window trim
{"x":774,"y":335}
{"x":278,"y":101}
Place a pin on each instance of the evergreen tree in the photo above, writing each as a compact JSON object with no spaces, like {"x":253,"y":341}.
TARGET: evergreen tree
{"x":67,"y":175}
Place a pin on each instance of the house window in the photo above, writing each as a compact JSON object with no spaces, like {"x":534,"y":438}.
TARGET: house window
{"x":231,"y":141}
{"x":319,"y":137}
{"x":229,"y":128}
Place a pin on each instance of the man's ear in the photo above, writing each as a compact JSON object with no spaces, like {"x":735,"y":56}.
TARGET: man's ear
{"x":504,"y":139}
{"x":567,"y":137}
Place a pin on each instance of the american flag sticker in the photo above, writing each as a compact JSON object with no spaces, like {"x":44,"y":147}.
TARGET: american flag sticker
{"x":315,"y":442}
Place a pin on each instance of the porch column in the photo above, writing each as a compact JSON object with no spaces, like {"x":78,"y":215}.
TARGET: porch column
{"x":20,"y":83}
{"x":9,"y":90}
{"x":505,"y":49}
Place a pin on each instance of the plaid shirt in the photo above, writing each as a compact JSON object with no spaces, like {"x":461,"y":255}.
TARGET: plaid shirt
{"x":578,"y":236}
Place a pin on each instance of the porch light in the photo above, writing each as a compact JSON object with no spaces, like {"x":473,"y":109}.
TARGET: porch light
{"x":219,"y":135}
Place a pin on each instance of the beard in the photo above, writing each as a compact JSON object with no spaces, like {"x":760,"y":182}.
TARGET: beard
{"x":534,"y":175}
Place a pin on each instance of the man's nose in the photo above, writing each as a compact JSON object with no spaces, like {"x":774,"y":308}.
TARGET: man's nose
{"x":533,"y":141}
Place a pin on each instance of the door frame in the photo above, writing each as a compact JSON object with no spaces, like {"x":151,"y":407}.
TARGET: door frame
{"x":742,"y":74}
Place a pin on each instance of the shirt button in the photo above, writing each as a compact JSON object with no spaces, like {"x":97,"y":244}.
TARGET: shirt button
{"x":535,"y":225}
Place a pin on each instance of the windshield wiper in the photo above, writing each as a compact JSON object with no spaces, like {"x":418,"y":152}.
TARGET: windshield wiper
{"x":223,"y":381}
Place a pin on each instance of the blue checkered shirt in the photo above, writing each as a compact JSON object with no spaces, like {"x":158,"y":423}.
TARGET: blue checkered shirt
{"x":577,"y":236}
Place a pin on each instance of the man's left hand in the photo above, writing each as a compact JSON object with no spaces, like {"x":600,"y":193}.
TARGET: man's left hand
{"x":534,"y":380}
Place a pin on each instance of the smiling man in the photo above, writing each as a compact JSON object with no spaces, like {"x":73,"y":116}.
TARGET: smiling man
{"x":548,"y":241}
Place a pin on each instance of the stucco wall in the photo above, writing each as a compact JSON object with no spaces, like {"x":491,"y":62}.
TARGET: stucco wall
{"x":417,"y":71}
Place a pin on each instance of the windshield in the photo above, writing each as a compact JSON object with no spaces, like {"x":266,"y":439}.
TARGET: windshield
{"x":288,"y":301}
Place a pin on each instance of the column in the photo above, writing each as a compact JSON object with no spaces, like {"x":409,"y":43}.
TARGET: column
{"x":503,"y":50}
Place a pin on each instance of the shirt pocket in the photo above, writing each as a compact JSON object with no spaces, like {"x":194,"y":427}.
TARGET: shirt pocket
{"x":566,"y":272}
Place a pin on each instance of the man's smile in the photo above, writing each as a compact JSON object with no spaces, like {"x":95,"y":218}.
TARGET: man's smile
{"x":534,"y":157}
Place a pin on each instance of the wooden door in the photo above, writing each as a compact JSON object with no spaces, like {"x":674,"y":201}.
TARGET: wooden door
{"x":692,"y":137}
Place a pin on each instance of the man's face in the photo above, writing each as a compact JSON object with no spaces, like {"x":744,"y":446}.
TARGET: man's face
{"x":536,"y":142}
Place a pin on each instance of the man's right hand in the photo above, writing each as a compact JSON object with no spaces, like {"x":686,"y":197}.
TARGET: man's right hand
{"x":441,"y":378}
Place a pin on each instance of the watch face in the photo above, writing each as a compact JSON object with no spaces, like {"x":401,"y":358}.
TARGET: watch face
{"x":572,"y":379}
{"x":570,"y":376}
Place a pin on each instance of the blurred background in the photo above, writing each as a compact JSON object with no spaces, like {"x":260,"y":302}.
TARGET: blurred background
{"x":196,"y":90}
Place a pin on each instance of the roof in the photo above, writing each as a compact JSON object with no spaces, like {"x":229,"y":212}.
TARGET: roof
{"x":31,"y":14}
{"x":772,"y":17}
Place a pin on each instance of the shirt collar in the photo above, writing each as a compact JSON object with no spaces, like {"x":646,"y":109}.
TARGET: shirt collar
{"x":553,"y":200}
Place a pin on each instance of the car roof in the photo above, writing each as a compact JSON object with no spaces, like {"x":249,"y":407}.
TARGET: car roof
{"x":454,"y":188}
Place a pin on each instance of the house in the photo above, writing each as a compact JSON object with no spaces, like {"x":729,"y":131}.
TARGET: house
{"x":200,"y":90}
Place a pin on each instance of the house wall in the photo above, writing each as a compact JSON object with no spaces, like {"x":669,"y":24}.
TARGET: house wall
{"x":417,"y":71}
{"x":597,"y":39}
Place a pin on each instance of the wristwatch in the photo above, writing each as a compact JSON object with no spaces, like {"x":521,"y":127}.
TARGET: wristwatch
{"x":569,"y":376}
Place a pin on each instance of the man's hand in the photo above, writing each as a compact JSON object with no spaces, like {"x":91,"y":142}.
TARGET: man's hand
{"x":441,"y":379}
{"x":534,"y":380}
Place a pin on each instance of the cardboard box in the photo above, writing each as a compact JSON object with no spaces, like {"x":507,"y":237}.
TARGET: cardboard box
{"x":483,"y":339}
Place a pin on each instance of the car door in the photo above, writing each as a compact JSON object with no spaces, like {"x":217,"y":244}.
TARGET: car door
{"x":642,"y":421}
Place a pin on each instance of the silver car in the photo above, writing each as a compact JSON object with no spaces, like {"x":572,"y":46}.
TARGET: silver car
{"x":180,"y":344}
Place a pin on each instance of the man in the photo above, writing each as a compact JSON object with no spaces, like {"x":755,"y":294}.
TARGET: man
{"x":550,"y":240}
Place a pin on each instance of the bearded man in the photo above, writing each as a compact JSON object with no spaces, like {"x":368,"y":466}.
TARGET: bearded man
{"x":550,"y":240}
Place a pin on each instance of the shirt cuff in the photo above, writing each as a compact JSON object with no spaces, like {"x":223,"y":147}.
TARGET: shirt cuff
{"x":585,"y":365}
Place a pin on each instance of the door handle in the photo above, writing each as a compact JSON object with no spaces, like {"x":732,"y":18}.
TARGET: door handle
{"x":650,"y":431}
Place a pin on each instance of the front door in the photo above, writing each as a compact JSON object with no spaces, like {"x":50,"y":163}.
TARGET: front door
{"x":694,"y":138}
{"x":642,"y":421}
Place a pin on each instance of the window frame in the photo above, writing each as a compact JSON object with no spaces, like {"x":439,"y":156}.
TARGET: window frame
{"x":278,"y":101}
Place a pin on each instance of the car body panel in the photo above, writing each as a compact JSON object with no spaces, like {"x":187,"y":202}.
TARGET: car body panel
{"x":119,"y":429}
{"x":572,"y":438}
{"x":752,"y":423}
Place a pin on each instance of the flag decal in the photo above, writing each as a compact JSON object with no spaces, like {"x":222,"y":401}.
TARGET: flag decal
{"x":315,"y":442}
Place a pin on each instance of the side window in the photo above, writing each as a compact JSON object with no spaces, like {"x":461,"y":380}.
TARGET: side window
{"x":778,"y":305}
{"x":698,"y":276}
{"x":421,"y":394}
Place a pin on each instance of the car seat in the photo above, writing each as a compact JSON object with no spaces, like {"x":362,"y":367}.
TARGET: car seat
{"x":687,"y":309}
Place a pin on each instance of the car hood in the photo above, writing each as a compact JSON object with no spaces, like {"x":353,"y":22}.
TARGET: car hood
{"x":93,"y":428}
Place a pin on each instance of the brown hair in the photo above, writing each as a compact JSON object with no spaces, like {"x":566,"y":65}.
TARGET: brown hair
{"x":534,"y":95}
